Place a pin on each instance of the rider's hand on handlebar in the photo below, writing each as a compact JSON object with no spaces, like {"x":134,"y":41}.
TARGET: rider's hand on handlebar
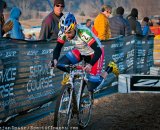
{"x":88,"y":68}
{"x":53,"y":63}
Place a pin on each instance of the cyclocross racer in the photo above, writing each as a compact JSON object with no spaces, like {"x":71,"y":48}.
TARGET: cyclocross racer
{"x":87,"y":47}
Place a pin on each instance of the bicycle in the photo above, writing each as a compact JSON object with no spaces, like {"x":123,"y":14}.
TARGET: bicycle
{"x":70,"y":102}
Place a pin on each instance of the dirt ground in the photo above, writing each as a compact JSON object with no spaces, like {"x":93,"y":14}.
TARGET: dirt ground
{"x":121,"y":112}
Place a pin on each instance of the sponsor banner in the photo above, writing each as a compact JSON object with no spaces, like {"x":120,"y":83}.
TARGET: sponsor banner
{"x":26,"y":79}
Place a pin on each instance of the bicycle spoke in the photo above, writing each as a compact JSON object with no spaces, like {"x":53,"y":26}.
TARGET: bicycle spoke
{"x":85,"y":108}
{"x":63,"y":109}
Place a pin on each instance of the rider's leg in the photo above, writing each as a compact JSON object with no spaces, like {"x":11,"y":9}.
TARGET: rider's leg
{"x":95,"y":79}
{"x":72,"y":57}
{"x":112,"y":67}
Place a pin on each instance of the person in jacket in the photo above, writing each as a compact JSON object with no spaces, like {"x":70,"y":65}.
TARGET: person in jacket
{"x":4,"y":28}
{"x":88,"y":23}
{"x":134,"y":23}
{"x":119,"y":25}
{"x":145,"y":26}
{"x":16,"y":32}
{"x":101,"y":23}
{"x":49,"y":27}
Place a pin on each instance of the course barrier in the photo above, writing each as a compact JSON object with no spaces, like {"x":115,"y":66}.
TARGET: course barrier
{"x":27,"y":82}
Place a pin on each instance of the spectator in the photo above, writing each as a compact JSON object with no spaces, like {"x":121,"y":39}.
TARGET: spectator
{"x":4,"y":28}
{"x":134,"y":23}
{"x":34,"y":36}
{"x":150,"y":22}
{"x":119,"y":25}
{"x":16,"y":32}
{"x":158,"y":21}
{"x":101,"y":23}
{"x":89,"y":23}
{"x":145,"y":26}
{"x":49,"y":28}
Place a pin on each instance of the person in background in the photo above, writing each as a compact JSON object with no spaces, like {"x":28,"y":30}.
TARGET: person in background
{"x":34,"y":36}
{"x":134,"y":23}
{"x":16,"y":32}
{"x":145,"y":26}
{"x":119,"y":25}
{"x":101,"y":23}
{"x":49,"y":27}
{"x":4,"y":28}
{"x":150,"y":22}
{"x":158,"y":21}
{"x":88,"y":23}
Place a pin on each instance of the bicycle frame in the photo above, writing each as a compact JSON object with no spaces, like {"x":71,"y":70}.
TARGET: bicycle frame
{"x":82,"y":76}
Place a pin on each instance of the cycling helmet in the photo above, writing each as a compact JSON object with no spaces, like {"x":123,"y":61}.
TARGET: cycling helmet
{"x":67,"y":22}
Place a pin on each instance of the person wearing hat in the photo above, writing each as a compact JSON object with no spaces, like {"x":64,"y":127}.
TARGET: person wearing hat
{"x":134,"y":23}
{"x":49,"y":27}
{"x":119,"y":25}
{"x":145,"y":26}
{"x":101,"y":23}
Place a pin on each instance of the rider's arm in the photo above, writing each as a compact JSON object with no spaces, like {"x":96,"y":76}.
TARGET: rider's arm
{"x":60,"y":43}
{"x":57,"y":50}
{"x":97,"y":53}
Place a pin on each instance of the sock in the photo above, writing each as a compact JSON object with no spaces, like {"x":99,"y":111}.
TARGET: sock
{"x":109,"y":69}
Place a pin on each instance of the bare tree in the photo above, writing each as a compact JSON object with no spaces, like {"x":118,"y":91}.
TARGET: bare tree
{"x":25,"y":6}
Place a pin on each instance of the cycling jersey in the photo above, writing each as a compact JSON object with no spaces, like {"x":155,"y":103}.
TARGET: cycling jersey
{"x":84,"y":41}
{"x":87,"y":48}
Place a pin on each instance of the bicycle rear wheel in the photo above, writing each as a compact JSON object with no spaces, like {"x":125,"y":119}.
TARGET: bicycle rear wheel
{"x":85,"y":106}
{"x":63,"y":110}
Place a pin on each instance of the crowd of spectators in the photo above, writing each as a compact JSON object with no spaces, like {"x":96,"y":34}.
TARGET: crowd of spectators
{"x":103,"y":26}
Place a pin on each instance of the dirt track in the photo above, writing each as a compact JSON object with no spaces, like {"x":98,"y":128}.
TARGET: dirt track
{"x":122,"y":112}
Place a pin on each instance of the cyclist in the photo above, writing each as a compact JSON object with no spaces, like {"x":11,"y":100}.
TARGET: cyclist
{"x":86,"y":46}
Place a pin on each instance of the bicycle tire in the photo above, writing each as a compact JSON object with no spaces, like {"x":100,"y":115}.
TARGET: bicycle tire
{"x":86,"y":100}
{"x":58,"y":122}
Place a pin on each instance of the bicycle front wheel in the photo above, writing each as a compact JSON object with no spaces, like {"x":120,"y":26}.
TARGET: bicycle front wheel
{"x":63,"y":110}
{"x":85,"y":106}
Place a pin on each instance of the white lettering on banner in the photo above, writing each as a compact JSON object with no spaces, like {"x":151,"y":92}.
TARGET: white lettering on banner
{"x":117,"y":45}
{"x":143,"y":42}
{"x":42,"y":83}
{"x":117,"y":57}
{"x":40,"y":78}
{"x":6,"y":90}
{"x":129,"y":62}
{"x":39,"y":52}
{"x":121,"y":66}
{"x":47,"y":51}
{"x":7,"y":54}
{"x":141,"y":52}
{"x":150,"y":52}
{"x":68,"y":48}
{"x":32,"y":52}
{"x":140,"y":60}
{"x":5,"y":103}
{"x":39,"y":70}
{"x":10,"y":54}
{"x":132,"y":41}
{"x":8,"y":75}
{"x":130,"y":54}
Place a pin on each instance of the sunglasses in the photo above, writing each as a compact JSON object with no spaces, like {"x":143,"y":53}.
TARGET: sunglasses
{"x":62,"y":6}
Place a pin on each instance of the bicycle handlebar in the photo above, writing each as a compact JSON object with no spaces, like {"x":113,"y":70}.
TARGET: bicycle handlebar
{"x":78,"y":67}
